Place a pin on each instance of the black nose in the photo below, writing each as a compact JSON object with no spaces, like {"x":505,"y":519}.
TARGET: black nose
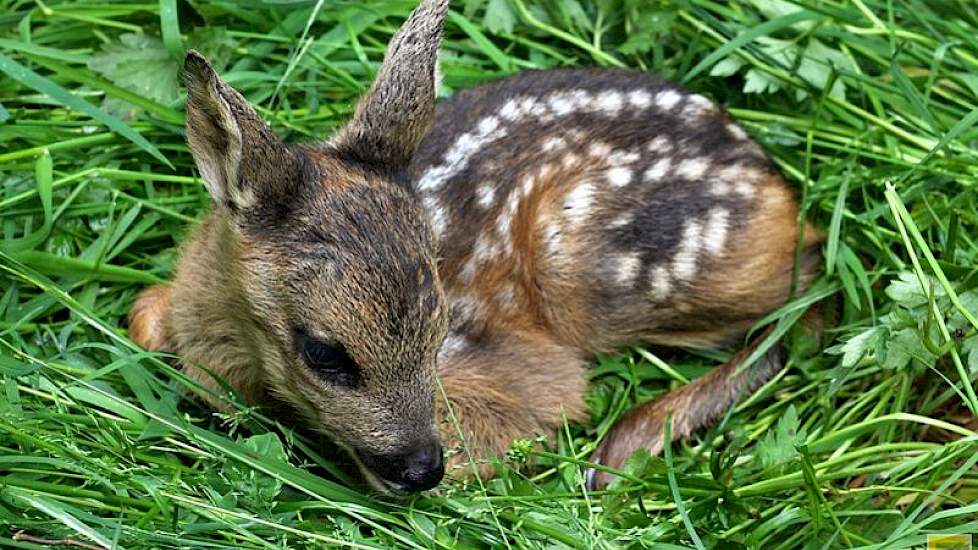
{"x":417,"y":469}
{"x":423,"y":469}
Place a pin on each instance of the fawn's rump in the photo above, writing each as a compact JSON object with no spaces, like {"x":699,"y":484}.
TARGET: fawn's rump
{"x":607,"y":207}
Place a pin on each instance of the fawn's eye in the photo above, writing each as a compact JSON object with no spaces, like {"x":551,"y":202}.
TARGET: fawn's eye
{"x":328,"y":359}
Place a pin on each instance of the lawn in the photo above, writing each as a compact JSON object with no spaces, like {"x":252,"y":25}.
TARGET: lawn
{"x":867,"y":106}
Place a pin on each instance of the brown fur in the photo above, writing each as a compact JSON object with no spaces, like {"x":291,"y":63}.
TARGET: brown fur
{"x":377,"y":244}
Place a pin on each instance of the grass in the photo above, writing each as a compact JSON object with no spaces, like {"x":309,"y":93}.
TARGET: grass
{"x":867,"y":106}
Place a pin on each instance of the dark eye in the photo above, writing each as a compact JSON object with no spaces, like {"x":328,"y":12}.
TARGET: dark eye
{"x":329,"y":359}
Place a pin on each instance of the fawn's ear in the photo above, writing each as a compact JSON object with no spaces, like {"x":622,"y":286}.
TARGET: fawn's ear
{"x":239,"y":157}
{"x":397,"y":112}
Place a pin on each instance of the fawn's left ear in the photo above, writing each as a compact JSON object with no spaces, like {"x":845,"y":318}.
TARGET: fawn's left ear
{"x":399,"y":108}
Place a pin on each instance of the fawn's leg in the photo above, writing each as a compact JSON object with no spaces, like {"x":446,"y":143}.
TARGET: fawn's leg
{"x":693,"y":406}
{"x":514,"y":387}
{"x":704,"y":400}
{"x":148,"y":318}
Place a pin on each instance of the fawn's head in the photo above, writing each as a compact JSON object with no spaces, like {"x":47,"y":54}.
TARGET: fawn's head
{"x":336,"y":258}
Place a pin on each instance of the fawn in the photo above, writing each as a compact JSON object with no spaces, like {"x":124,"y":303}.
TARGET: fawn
{"x":496,"y":241}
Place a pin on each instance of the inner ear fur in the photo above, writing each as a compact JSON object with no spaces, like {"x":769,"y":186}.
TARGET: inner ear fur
{"x":240,"y":159}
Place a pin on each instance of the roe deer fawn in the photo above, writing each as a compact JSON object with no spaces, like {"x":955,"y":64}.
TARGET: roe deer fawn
{"x":496,"y":242}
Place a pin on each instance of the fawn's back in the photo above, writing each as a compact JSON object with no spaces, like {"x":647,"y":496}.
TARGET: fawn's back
{"x":604,"y":207}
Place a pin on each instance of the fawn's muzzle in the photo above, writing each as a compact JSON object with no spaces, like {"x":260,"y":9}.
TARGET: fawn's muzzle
{"x":417,"y":469}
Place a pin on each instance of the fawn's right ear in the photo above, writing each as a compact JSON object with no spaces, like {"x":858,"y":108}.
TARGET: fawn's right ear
{"x":240,"y":159}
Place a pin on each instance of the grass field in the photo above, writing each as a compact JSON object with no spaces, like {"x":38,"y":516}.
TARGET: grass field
{"x":867,"y":106}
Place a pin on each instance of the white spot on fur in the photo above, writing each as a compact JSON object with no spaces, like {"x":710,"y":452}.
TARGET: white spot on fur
{"x":509,"y":110}
{"x":505,"y":219}
{"x":736,"y":131}
{"x":684,"y":262}
{"x":627,"y":268}
{"x":623,"y":157}
{"x":437,"y":214}
{"x":744,"y":189}
{"x":624,"y":219}
{"x":715,"y":233}
{"x":570,"y":159}
{"x":487,"y":130}
{"x":720,"y":188}
{"x":640,"y":99}
{"x":659,"y":170}
{"x":554,"y":144}
{"x":667,"y":99}
{"x":661,"y":145}
{"x":577,"y":203}
{"x":700,"y":100}
{"x":552,"y":238}
{"x":660,"y":283}
{"x":452,"y":344}
{"x":561,"y":103}
{"x":485,"y":194}
{"x":610,"y":102}
{"x":538,"y":110}
{"x":693,"y":169}
{"x":581,"y":100}
{"x":529,"y":181}
{"x":619,"y":176}
{"x":483,"y":249}
{"x":493,"y":128}
{"x":697,"y":105}
{"x":599,"y":149}
{"x":488,"y":125}
{"x":732,"y":173}
{"x":468,"y":270}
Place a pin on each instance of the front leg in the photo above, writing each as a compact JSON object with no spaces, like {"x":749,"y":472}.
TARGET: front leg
{"x":511,"y":388}
{"x":148,"y":319}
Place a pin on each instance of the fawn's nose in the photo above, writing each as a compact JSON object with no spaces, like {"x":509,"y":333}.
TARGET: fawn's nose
{"x":423,"y":468}
{"x":417,"y":469}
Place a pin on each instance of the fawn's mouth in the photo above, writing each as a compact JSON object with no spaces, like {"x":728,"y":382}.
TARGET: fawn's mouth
{"x":400,"y":474}
{"x":381,"y":485}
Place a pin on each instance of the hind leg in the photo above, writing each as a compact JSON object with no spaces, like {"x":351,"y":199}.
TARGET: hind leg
{"x":148,"y":319}
{"x":696,"y":405}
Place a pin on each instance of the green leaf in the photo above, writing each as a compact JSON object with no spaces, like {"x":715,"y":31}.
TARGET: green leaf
{"x":727,"y":67}
{"x":906,"y":290}
{"x":904,"y":346}
{"x":500,"y":17}
{"x":141,"y":64}
{"x":780,"y":444}
{"x":33,"y":80}
{"x":817,"y":65}
{"x":784,"y":52}
{"x":856,"y":347}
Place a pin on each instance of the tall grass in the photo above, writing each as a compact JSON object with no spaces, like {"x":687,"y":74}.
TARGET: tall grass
{"x":867,"y":106}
